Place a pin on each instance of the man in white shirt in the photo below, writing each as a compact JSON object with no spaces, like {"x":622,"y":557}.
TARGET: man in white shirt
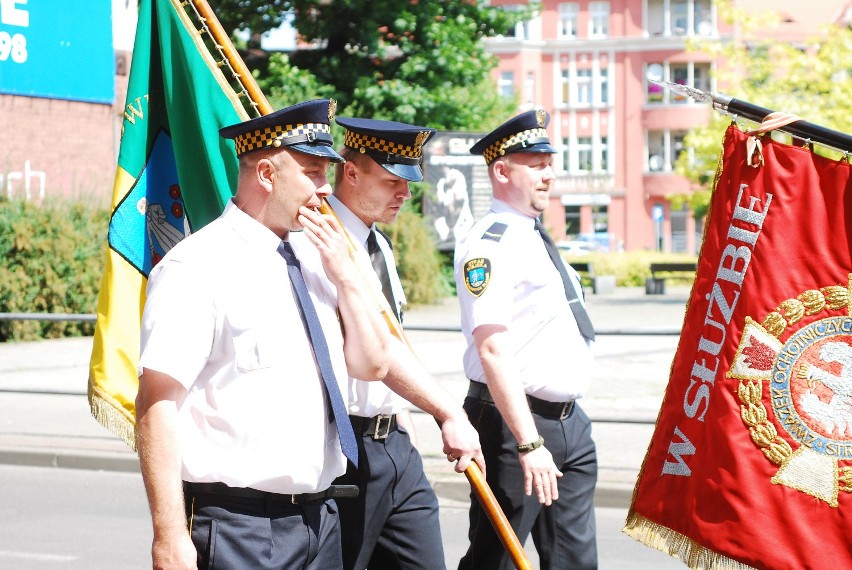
{"x":528,"y":358}
{"x":393,"y":523}
{"x":241,"y":426}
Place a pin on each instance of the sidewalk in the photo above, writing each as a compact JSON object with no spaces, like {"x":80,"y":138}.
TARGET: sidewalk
{"x":45,"y":419}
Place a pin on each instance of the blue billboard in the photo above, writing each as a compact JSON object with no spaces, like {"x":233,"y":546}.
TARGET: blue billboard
{"x":59,"y":49}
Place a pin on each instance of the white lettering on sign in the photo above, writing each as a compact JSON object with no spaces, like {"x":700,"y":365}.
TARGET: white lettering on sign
{"x":743,"y":232}
{"x":12,"y":15}
{"x":13,"y":46}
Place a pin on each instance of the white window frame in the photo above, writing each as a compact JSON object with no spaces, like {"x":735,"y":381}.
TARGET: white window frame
{"x":568,"y":19}
{"x":599,"y":12}
{"x":506,"y":84}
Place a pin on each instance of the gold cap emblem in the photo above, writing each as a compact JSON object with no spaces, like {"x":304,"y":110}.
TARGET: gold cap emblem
{"x":540,"y":116}
{"x":421,"y":139}
{"x":332,"y":107}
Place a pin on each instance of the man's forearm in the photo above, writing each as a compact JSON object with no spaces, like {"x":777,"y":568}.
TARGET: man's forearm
{"x":159,"y":461}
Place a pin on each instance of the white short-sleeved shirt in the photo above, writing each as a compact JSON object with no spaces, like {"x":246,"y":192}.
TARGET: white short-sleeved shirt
{"x":368,"y":399}
{"x":504,"y":276}
{"x":222,"y":320}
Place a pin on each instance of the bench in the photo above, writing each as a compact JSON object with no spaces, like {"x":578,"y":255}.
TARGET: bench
{"x":656,"y":283}
{"x":590,"y":281}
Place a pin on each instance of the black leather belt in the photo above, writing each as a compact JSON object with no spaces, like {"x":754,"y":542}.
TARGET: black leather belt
{"x":556,"y":410}
{"x":377,"y":427}
{"x":333,"y":492}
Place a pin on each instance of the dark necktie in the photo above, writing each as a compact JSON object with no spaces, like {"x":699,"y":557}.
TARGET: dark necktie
{"x":380,"y":266}
{"x":584,"y":323}
{"x":312,"y":325}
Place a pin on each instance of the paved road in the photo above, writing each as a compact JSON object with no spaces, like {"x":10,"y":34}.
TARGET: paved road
{"x":45,"y":421}
{"x":72,"y":519}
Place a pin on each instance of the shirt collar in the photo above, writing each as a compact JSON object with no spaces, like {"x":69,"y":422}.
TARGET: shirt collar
{"x":255,"y":233}
{"x":357,"y":229}
{"x":501,"y":207}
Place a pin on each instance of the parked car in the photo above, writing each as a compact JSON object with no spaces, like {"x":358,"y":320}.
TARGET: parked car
{"x":576,"y":247}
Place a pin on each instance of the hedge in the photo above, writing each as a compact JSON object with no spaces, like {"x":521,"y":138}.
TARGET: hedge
{"x":53,"y":257}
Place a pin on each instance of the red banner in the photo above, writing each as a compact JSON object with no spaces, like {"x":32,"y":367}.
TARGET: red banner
{"x":750,"y":464}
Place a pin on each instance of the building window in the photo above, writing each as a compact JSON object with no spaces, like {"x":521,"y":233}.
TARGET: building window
{"x":691,"y":73}
{"x":572,"y":221}
{"x":603,"y":87}
{"x":600,"y":218}
{"x":584,"y":87}
{"x":568,"y":19}
{"x":598,"y":19}
{"x":566,"y":86}
{"x":604,"y":155}
{"x":521,"y":30}
{"x":656,"y":151}
{"x":506,"y":86}
{"x":653,"y":93}
{"x":680,"y":17}
{"x":680,"y":75}
{"x":529,"y":88}
{"x":566,"y":154}
{"x":701,"y":76}
{"x":584,"y":154}
{"x":664,"y":148}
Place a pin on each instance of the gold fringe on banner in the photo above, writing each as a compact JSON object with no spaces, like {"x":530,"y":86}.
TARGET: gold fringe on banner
{"x":675,"y":544}
{"x":109,"y":414}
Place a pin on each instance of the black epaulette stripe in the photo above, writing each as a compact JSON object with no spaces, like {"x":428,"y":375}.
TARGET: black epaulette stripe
{"x":386,"y":236}
{"x":496,"y":231}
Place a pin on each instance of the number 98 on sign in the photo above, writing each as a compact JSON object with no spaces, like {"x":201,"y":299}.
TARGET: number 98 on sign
{"x":13,"y":47}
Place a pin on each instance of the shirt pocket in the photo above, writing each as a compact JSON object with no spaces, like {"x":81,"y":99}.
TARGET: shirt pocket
{"x":255,"y":350}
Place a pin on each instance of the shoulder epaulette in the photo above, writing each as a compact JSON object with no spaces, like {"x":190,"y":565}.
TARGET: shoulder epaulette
{"x":496,"y":231}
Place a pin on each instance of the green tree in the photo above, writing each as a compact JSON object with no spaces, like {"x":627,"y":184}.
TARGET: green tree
{"x":813,"y":81}
{"x":413,"y":61}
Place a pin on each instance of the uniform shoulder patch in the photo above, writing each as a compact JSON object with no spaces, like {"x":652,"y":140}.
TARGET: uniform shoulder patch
{"x":477,"y":274}
{"x":496,"y":231}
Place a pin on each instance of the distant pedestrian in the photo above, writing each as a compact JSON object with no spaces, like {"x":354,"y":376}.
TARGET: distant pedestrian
{"x":529,"y":359}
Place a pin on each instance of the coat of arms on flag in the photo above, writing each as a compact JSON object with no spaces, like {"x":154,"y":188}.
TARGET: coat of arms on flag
{"x":174,"y":175}
{"x":750,"y":465}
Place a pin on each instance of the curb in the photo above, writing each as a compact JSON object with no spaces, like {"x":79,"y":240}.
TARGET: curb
{"x":454,"y":487}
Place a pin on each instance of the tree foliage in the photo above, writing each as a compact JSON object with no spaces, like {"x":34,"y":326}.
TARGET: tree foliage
{"x":414,"y":61}
{"x":813,"y":81}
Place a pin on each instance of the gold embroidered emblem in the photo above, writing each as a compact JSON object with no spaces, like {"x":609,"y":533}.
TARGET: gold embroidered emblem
{"x":421,"y":139}
{"x":332,"y":107}
{"x":540,"y":116}
{"x":805,"y":374}
{"x":477,"y":274}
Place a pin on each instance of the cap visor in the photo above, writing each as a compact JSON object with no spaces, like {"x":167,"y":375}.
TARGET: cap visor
{"x":410,"y":172}
{"x":318,"y":150}
{"x":541,"y":147}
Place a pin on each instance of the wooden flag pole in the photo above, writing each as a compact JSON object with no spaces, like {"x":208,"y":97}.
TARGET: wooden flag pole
{"x":258,"y":100}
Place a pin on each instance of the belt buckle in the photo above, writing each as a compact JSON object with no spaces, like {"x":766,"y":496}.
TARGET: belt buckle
{"x":378,"y":433}
{"x":566,"y":409}
{"x":294,"y":499}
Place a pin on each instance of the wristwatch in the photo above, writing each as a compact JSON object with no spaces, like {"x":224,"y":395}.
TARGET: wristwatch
{"x":530,"y":446}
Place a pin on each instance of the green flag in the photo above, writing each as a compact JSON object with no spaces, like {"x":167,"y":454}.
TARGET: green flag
{"x":174,"y":175}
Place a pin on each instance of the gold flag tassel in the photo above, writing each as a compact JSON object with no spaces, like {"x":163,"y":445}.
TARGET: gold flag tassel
{"x":679,"y":546}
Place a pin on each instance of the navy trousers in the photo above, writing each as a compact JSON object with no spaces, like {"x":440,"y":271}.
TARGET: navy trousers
{"x":240,"y":533}
{"x":563,"y":533}
{"x":393,"y":523}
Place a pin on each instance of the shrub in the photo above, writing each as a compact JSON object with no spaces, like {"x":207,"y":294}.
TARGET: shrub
{"x":53,"y":258}
{"x":631,"y":268}
{"x":417,"y":260}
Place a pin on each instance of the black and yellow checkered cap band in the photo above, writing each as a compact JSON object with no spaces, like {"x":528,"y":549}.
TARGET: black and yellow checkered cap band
{"x":282,"y":135}
{"x":512,"y":143}
{"x":362,"y":143}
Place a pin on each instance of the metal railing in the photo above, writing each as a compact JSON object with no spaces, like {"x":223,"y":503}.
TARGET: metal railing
{"x":90,"y":317}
